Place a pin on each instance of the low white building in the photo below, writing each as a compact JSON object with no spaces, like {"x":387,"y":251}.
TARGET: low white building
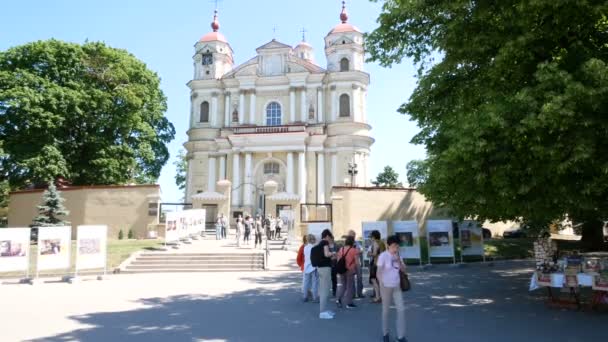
{"x":279,"y":116}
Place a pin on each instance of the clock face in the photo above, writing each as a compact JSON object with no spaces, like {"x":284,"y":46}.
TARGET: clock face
{"x":207,"y":59}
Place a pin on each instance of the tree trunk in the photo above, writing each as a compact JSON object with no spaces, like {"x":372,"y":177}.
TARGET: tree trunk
{"x":593,"y":236}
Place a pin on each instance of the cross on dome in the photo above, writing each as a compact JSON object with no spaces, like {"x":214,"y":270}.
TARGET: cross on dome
{"x":344,"y":14}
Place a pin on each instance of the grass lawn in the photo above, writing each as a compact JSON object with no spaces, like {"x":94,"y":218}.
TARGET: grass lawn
{"x":118,"y":251}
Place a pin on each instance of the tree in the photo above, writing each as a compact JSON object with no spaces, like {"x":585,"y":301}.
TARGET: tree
{"x":416,"y":171}
{"x":513,"y":114}
{"x":181,"y":165}
{"x":387,"y":178}
{"x":51,"y":209}
{"x":89,"y":113}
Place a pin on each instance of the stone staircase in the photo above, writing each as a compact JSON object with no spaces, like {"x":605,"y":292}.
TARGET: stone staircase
{"x":161,"y":262}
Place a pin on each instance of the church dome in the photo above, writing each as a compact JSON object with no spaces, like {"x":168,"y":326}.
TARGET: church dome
{"x":215,"y":35}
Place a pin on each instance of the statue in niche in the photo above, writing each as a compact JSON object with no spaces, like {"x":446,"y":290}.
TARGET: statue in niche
{"x":311,"y":113}
{"x":235,"y":115}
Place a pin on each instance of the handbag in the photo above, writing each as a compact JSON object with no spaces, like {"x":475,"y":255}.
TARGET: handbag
{"x":404,"y":281}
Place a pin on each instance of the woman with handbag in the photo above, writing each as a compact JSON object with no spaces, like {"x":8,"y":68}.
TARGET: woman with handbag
{"x":389,"y":274}
{"x":350,"y":254}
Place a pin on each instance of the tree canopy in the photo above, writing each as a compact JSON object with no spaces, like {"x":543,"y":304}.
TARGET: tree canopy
{"x":51,"y":209}
{"x":387,"y":178}
{"x":512,"y":103}
{"x":180,"y":170}
{"x":89,"y":113}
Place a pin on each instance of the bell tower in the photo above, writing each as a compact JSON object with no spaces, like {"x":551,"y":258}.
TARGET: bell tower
{"x":214,"y":56}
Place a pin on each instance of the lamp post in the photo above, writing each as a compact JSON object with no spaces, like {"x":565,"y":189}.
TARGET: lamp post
{"x":352,"y":171}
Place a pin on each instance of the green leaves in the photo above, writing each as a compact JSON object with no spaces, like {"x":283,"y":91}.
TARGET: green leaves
{"x":514,"y":114}
{"x":90,"y":113}
{"x":181,"y":164}
{"x":387,"y":178}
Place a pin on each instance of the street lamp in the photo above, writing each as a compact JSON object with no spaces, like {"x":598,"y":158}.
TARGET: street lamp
{"x":352,"y":171}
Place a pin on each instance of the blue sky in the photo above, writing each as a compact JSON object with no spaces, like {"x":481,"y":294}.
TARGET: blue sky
{"x":162,"y":34}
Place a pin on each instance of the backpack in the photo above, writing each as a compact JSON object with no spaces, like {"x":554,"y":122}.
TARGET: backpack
{"x":316,"y":255}
{"x":341,"y":265}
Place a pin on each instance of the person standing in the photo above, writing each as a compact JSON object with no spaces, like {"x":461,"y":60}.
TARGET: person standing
{"x":310,"y":280}
{"x":373,"y":256}
{"x":389,"y":264}
{"x":324,"y":271}
{"x":218,"y":227}
{"x":273,"y":227}
{"x":258,"y":232}
{"x":350,"y":253}
{"x":248,"y":225}
{"x":224,"y":221}
{"x":239,"y":229}
{"x":279,"y":227}
{"x":358,"y":283}
{"x":300,"y":258}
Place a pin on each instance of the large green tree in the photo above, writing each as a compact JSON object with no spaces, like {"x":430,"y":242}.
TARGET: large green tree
{"x":181,"y":164}
{"x":512,"y":102}
{"x":89,"y":113}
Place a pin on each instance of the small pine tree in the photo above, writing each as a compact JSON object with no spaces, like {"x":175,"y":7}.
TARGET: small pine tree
{"x":121,"y":235}
{"x":131,"y":235}
{"x":50,"y":209}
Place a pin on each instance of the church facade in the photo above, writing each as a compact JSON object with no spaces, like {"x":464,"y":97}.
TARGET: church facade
{"x":280,"y":116}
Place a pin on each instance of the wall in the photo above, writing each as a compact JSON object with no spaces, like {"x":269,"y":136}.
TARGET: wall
{"x":118,"y":207}
{"x":352,"y":206}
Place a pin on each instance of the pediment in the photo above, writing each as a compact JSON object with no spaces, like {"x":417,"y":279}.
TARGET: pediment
{"x":343,"y":40}
{"x":273,"y":44}
{"x":249,"y":70}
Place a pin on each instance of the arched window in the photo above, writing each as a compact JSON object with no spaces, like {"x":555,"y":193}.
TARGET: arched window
{"x":344,"y":105}
{"x":271,"y":168}
{"x":273,"y":114}
{"x":204,"y":112}
{"x":344,"y":64}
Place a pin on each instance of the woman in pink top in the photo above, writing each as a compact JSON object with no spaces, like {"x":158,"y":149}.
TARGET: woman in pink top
{"x":389,"y":264}
{"x":350,"y":253}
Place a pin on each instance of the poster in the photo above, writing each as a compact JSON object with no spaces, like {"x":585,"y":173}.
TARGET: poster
{"x":317,"y":228}
{"x":14,"y":249}
{"x":171,"y":220}
{"x":409,"y":240}
{"x":54,"y":247}
{"x":440,"y":239}
{"x":198,"y":221}
{"x":91,"y":247}
{"x":471,"y":238}
{"x":367,"y":228}
{"x":182,"y":225}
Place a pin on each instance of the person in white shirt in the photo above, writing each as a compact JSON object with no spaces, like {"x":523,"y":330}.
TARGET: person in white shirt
{"x":310,"y":276}
{"x":273,"y":227}
{"x":389,"y":264}
{"x":279,"y":227}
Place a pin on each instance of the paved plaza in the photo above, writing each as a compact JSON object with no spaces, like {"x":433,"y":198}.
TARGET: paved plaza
{"x":475,"y":303}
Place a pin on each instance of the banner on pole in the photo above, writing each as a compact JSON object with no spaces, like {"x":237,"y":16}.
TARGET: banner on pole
{"x":91,"y":247}
{"x":54,"y":247}
{"x":471,"y":238}
{"x":367,"y":228}
{"x":171,"y":220}
{"x":440,"y":239}
{"x":409,"y":240}
{"x":317,"y":228}
{"x":14,"y":249}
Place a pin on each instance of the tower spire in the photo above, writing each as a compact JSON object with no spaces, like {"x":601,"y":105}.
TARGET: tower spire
{"x":303,"y":34}
{"x":344,"y":14}
{"x":215,"y":25}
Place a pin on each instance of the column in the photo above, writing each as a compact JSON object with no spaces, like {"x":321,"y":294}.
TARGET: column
{"x":289,"y":186}
{"x":302,"y":176}
{"x":236,"y":182}
{"x":320,"y":177}
{"x":211,"y":175}
{"x":292,"y":105}
{"x":303,"y":114}
{"x":334,"y":103}
{"x":355,"y":103}
{"x":334,"y":169}
{"x":247,"y":197}
{"x":252,"y":107}
{"x":364,"y":104}
{"x":319,"y":104}
{"x":227,"y":109}
{"x":222,"y":168}
{"x":242,"y":107}
{"x":214,"y":113}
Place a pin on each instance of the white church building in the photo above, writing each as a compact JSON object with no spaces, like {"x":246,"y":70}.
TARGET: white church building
{"x":280,"y":116}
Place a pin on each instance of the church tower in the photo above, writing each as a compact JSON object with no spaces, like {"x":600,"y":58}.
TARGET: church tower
{"x":213,"y":57}
{"x":344,"y":46}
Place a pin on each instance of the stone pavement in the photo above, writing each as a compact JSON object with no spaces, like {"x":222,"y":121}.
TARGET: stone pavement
{"x":476,"y":303}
